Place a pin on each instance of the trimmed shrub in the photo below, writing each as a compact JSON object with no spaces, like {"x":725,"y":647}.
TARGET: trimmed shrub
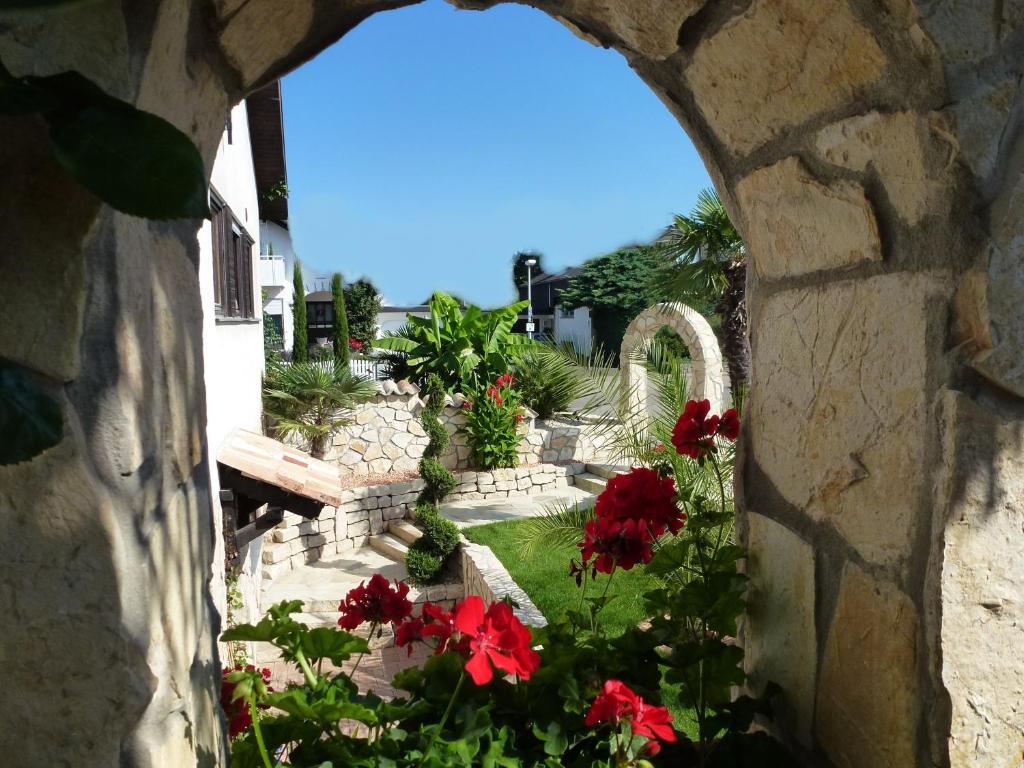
{"x":340,"y":330}
{"x":440,"y":538}
{"x":422,"y":563}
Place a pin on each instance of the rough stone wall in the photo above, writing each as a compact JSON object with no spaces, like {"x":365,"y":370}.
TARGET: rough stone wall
{"x":296,"y":541}
{"x":484,"y":575}
{"x":871,"y":152}
{"x":386,"y":435}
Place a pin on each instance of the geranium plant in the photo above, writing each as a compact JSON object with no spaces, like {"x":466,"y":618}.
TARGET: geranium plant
{"x":495,"y":693}
{"x":492,"y":424}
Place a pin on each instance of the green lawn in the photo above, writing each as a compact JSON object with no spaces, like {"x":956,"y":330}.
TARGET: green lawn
{"x":544,"y":576}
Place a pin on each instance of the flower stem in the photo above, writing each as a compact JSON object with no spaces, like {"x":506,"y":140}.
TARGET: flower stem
{"x":373,"y":628}
{"x":307,"y":671}
{"x":254,"y":714}
{"x":444,"y":717}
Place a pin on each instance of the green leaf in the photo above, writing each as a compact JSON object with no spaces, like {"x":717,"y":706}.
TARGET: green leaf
{"x":134,"y":161}
{"x":334,"y":644}
{"x":30,"y":420}
{"x":670,"y":557}
{"x":554,"y":738}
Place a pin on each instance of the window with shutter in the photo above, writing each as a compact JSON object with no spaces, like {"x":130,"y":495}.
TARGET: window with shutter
{"x":233,"y":293}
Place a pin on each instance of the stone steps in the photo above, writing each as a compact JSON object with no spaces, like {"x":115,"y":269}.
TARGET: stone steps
{"x":405,"y":531}
{"x":390,"y":546}
{"x":607,"y":471}
{"x":590,"y":482}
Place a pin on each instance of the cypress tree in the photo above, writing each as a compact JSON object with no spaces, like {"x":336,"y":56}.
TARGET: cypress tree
{"x":340,"y":320}
{"x":300,"y":343}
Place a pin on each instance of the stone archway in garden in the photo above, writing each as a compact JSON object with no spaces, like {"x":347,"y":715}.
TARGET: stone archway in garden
{"x":872,"y":154}
{"x":705,"y":367}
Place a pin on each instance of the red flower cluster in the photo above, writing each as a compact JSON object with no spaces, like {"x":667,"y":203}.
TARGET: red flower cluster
{"x":484,"y":638}
{"x":355,"y":344}
{"x":377,"y":603}
{"x":617,"y":703}
{"x":632,"y":512}
{"x":694,"y":432}
{"x":505,"y":380}
{"x":466,"y":405}
{"x":495,"y":394}
{"x":237,"y":710}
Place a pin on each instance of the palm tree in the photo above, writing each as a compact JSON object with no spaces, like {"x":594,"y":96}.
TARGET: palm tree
{"x":313,"y":400}
{"x":706,"y":263}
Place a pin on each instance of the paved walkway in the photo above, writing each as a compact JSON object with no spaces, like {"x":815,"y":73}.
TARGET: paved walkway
{"x":469,"y":513}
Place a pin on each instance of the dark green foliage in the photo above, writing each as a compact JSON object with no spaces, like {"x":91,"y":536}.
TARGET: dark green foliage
{"x":519,"y":271}
{"x":617,"y":287}
{"x":422,"y":563}
{"x":439,"y":481}
{"x":362,"y":302}
{"x":30,"y":420}
{"x":340,"y":340}
{"x":442,"y":532}
{"x":672,"y":343}
{"x":272,"y":341}
{"x":546,"y":383}
{"x":300,"y":343}
{"x":132,"y":160}
{"x":440,"y":536}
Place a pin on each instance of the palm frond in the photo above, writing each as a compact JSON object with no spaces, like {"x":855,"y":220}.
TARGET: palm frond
{"x":560,"y":524}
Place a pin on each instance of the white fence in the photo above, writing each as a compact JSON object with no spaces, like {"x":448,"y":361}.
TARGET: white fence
{"x":365,"y":366}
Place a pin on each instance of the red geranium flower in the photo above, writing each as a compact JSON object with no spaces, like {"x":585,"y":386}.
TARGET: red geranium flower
{"x":355,"y":344}
{"x":617,"y":703}
{"x":438,"y":623}
{"x":505,"y":380}
{"x":237,"y":710}
{"x":466,"y":405}
{"x":693,"y":433}
{"x":376,"y":603}
{"x":617,"y":543}
{"x":496,"y":637}
{"x":729,"y":426}
{"x":642,"y":494}
{"x":409,"y":632}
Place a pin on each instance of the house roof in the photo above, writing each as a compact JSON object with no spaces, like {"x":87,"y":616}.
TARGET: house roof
{"x":283,"y":466}
{"x":565,"y":274}
{"x":266,"y":133}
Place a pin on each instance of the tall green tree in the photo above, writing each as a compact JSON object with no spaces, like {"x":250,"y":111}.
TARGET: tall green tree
{"x":617,"y":287}
{"x":300,"y":331}
{"x":703,"y":262}
{"x":340,"y":335}
{"x":362,"y":302}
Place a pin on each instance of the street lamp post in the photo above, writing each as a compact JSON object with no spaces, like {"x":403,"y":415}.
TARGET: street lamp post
{"x":530,"y":263}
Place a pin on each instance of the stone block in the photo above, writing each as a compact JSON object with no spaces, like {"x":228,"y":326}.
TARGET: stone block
{"x":982,"y":613}
{"x":524,"y":483}
{"x":307,"y":527}
{"x":401,"y":439}
{"x":839,"y":434}
{"x":327,"y":513}
{"x":392,"y":451}
{"x":315,"y":541}
{"x":285,"y":534}
{"x":360,"y":529}
{"x":273,"y":571}
{"x":472,"y":496}
{"x":405,"y":464}
{"x":376,"y":521}
{"x":393,"y":513}
{"x":802,"y":58}
{"x":868,"y":693}
{"x":355,"y":517}
{"x":800,"y":225}
{"x":779,"y":635}
{"x":415,"y":451}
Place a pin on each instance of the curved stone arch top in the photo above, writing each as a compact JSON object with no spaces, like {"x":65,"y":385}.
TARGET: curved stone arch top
{"x":707,"y":372}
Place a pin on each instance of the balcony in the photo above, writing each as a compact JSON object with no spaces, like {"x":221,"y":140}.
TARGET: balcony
{"x":272,"y":273}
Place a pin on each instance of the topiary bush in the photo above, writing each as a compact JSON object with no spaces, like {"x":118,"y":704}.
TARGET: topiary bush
{"x":428,"y":554}
{"x":422,"y":563}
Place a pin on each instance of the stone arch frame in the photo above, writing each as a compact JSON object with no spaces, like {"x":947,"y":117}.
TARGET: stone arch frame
{"x":872,"y":155}
{"x":706,"y":356}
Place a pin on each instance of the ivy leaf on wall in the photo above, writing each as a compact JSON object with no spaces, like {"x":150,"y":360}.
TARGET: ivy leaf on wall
{"x":133,"y":160}
{"x":30,"y":420}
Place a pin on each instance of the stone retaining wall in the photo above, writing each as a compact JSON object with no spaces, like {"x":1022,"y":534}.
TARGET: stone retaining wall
{"x":296,"y":541}
{"x":484,"y":575}
{"x":386,"y":435}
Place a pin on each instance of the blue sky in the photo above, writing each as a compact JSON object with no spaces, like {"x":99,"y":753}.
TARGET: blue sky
{"x":430,"y":144}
